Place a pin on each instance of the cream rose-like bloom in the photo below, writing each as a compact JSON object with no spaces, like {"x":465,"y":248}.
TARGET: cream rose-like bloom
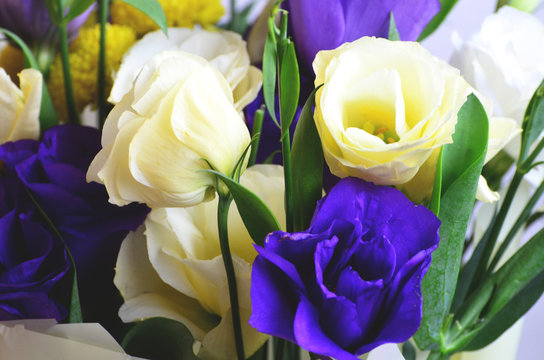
{"x":20,"y":108}
{"x":177,"y":119}
{"x":174,"y":268}
{"x":225,"y":50}
{"x":384,"y":111}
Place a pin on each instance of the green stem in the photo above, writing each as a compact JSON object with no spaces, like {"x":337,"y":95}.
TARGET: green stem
{"x":279,"y":349}
{"x":257,"y":127}
{"x":288,"y":175}
{"x":222,"y":221}
{"x":496,"y":227}
{"x":437,"y":355}
{"x":101,"y":81}
{"x":522,"y":219}
{"x":73,"y":116}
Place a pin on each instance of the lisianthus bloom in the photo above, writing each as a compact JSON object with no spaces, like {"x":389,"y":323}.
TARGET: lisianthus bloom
{"x":225,"y":50}
{"x":20,"y":108}
{"x":351,"y":282}
{"x":384,"y":111}
{"x":325,"y":25}
{"x":178,"y":13}
{"x":174,"y":269}
{"x":83,"y":58}
{"x":54,"y":171}
{"x":178,"y":119}
{"x":30,"y":20}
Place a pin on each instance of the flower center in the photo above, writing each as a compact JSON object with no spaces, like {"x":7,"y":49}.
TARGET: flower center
{"x":383,"y":132}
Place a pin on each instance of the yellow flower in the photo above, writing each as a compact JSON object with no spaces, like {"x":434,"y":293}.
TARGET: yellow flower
{"x":11,"y":59}
{"x":385,"y":109}
{"x":175,"y":269}
{"x":20,"y":108}
{"x":179,"y":13}
{"x":178,"y":118}
{"x":83,"y":59}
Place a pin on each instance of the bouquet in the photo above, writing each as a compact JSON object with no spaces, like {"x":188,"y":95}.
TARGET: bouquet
{"x":294,"y":179}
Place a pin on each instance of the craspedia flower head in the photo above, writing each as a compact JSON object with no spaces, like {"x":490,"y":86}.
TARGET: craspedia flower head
{"x":84,"y":65}
{"x":11,"y":60}
{"x":179,"y":13}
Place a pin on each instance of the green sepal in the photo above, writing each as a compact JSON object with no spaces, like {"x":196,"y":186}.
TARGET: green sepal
{"x":307,"y":155}
{"x":462,"y":165}
{"x":257,"y":217}
{"x":160,"y":339}
{"x":153,"y":9}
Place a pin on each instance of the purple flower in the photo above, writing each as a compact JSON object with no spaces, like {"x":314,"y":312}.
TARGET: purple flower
{"x":54,"y":171}
{"x":30,"y":20}
{"x":325,"y":25}
{"x":351,"y":282}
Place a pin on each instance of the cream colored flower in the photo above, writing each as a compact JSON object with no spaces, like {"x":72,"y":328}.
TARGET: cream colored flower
{"x":177,"y":119}
{"x":174,"y":268}
{"x":225,"y":50}
{"x":20,"y":108}
{"x":385,"y":109}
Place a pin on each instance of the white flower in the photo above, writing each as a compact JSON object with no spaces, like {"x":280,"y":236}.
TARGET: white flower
{"x":20,"y":108}
{"x":174,"y":269}
{"x":225,"y":50}
{"x":177,"y":119}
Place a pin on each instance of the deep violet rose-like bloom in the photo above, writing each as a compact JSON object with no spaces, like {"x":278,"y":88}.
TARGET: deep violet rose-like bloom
{"x":30,"y":20}
{"x":351,"y":282}
{"x":54,"y":171}
{"x":325,"y":25}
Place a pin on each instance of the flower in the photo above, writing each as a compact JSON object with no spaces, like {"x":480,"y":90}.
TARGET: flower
{"x":179,"y":118}
{"x":326,"y":25}
{"x":83,"y":58}
{"x":225,"y":50}
{"x":20,"y":108}
{"x":54,"y":172}
{"x":502,"y":60}
{"x":30,"y":20}
{"x":351,"y":282}
{"x":178,"y":14}
{"x":384,"y":111}
{"x":174,"y":269}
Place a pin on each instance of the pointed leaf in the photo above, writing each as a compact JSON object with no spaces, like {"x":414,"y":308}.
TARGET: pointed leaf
{"x":269,"y":74}
{"x":445,"y":8}
{"x":393,"y":34}
{"x":434,"y":205}
{"x":289,"y":86}
{"x":257,"y":217}
{"x":78,"y":7}
{"x":519,"y":283}
{"x":533,"y":123}
{"x":307,"y":155}
{"x":160,"y":339}
{"x":462,"y":165}
{"x":153,"y":9}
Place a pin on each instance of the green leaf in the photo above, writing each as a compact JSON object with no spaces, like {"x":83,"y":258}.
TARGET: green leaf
{"x":307,"y":155}
{"x":445,"y":8}
{"x":269,"y":73}
{"x":519,"y":283}
{"x":533,"y":124}
{"x":393,"y":34}
{"x":462,"y":165}
{"x":160,"y":339}
{"x":78,"y":7}
{"x":257,"y":217}
{"x":153,"y":9}
{"x":434,"y":205}
{"x":289,"y":86}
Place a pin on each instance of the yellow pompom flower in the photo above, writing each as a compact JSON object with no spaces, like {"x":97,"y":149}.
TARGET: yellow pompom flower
{"x":179,"y":13}
{"x":84,"y":65}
